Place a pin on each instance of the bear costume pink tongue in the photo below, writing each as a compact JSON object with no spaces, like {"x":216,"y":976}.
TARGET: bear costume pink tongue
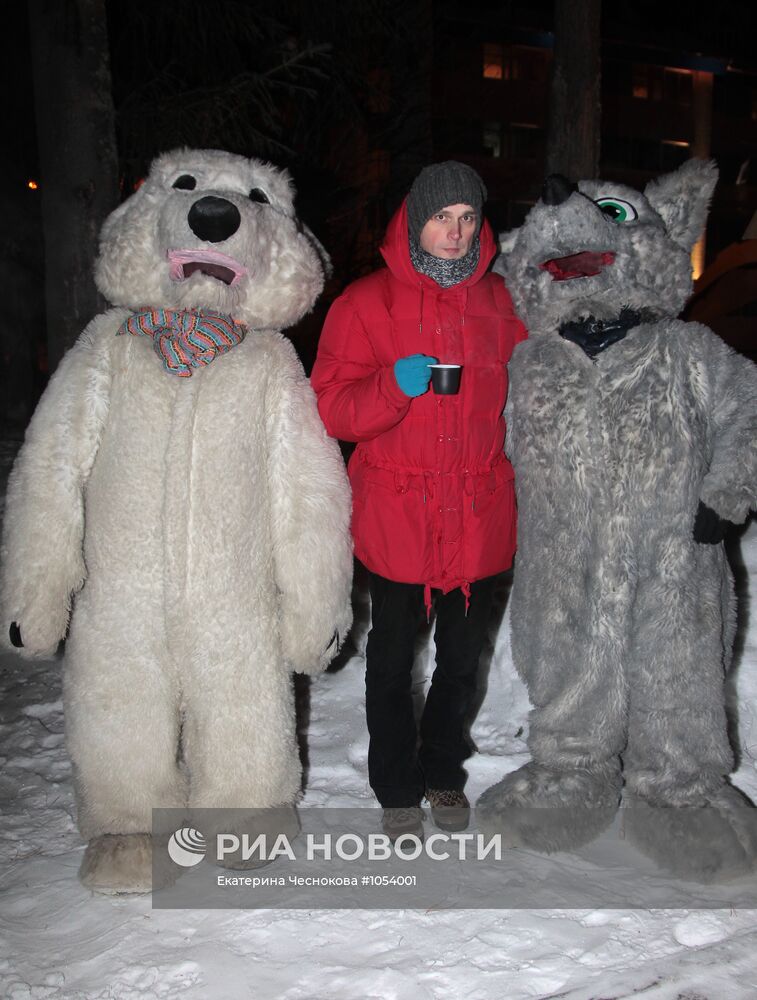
{"x":184,"y":263}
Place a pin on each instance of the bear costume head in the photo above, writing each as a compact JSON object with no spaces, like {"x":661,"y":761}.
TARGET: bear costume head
{"x":211,"y":230}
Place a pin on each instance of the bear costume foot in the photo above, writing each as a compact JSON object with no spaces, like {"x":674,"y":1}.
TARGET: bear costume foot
{"x":548,"y":809}
{"x":708,"y":843}
{"x":278,"y":827}
{"x":118,"y":863}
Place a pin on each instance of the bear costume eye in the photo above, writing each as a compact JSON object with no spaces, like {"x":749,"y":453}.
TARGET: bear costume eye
{"x":260,"y":196}
{"x":185,"y":183}
{"x":617,"y":209}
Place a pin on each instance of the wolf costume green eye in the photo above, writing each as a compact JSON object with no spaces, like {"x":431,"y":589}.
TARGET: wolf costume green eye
{"x":617,"y":209}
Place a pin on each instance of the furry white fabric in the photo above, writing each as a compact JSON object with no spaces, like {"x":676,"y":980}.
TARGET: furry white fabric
{"x":622,"y":624}
{"x":198,"y":527}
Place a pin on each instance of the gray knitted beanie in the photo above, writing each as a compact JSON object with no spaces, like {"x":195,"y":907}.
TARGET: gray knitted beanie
{"x":441,"y":184}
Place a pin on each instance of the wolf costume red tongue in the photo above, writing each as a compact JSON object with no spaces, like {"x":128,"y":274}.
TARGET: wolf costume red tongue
{"x":578,"y":265}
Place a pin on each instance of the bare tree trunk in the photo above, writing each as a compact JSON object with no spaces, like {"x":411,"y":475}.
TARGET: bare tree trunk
{"x":77,"y":150}
{"x":574,"y":110}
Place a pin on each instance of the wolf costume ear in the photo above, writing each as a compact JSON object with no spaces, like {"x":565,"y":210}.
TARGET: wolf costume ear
{"x":683,"y":199}
{"x":507,"y":240}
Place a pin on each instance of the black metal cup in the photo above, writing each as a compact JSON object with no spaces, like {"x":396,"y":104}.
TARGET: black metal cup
{"x":445,"y":379}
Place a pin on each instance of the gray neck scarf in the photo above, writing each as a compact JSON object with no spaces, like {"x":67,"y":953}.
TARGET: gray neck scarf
{"x":445,"y":273}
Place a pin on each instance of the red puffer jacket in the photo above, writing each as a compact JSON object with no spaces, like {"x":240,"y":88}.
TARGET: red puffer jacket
{"x":433,"y":498}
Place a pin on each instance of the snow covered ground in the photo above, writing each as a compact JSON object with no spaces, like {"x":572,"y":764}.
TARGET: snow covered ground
{"x":59,"y":941}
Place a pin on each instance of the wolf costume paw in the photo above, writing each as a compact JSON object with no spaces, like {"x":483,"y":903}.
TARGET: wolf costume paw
{"x":549,"y":809}
{"x":713,"y":842}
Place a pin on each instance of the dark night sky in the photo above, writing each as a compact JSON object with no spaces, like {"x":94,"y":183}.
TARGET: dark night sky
{"x":678,"y":23}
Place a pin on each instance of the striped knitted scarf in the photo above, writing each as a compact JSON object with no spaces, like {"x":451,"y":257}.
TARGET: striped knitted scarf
{"x":185,"y":339}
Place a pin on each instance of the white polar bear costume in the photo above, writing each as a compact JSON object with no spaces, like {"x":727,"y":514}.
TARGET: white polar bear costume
{"x":199,"y":525}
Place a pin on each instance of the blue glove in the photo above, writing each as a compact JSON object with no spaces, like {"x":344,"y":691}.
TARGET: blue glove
{"x":413,"y":373}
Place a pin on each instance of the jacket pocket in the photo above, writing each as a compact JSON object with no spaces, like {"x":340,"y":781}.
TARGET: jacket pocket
{"x":490,"y":523}
{"x":391,"y":523}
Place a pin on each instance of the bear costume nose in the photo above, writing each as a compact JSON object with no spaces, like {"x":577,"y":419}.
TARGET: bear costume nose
{"x":213,"y":219}
{"x":557,"y":189}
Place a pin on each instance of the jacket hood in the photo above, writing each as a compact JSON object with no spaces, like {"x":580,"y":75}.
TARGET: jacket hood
{"x":396,"y":252}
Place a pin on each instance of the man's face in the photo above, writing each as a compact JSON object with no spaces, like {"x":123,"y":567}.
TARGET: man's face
{"x":449,"y":233}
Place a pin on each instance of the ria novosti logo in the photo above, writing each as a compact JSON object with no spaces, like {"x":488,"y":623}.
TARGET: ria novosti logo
{"x":186,"y":847}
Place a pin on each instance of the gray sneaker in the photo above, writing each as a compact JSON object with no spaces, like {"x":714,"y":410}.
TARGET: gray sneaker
{"x":398,"y":821}
{"x":450,"y":809}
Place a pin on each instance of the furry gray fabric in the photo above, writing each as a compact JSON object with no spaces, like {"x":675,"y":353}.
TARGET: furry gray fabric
{"x":622,"y":624}
{"x":199,"y":527}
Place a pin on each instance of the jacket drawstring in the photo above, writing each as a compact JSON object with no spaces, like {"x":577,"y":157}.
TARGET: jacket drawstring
{"x":464,"y":586}
{"x":420,"y":317}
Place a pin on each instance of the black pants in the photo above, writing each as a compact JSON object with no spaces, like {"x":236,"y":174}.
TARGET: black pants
{"x":399,"y":769}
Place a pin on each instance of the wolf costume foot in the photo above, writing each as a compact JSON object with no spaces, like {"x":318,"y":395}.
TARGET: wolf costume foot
{"x":548,"y":809}
{"x":118,"y":862}
{"x":708,"y":843}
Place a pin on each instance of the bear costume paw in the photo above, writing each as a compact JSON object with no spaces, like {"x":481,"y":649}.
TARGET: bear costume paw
{"x":274,"y":824}
{"x":118,"y":863}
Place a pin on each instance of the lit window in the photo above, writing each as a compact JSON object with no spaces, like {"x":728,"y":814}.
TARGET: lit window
{"x":640,"y":84}
{"x":493,"y":61}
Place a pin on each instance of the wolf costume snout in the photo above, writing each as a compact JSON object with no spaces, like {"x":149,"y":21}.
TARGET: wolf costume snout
{"x":624,"y":426}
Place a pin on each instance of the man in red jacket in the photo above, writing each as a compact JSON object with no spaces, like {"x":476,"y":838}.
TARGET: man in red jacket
{"x":433,"y":500}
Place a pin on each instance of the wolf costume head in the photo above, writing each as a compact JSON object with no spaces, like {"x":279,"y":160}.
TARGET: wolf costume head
{"x":598,"y":248}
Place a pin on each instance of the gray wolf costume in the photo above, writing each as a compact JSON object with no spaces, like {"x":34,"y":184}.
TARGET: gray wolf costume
{"x":633,"y":436}
{"x":177,"y":486}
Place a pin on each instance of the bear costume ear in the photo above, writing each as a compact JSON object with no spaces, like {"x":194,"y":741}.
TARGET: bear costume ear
{"x":682,"y":199}
{"x":328,"y":267}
